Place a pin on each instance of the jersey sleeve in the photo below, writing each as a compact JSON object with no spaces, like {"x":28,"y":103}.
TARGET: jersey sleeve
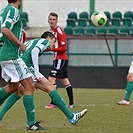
{"x":11,"y":18}
{"x":61,"y":38}
{"x":42,"y":45}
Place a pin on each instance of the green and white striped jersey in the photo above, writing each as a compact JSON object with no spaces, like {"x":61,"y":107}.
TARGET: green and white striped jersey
{"x":40,"y":43}
{"x":10,"y":18}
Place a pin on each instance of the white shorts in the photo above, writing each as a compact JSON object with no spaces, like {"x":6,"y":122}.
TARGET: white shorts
{"x":131,"y":68}
{"x":14,"y":70}
{"x":32,"y":71}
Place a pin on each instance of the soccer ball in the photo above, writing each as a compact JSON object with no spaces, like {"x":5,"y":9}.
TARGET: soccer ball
{"x":98,"y":19}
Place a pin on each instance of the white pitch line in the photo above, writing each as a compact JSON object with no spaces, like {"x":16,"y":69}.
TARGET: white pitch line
{"x":96,"y":104}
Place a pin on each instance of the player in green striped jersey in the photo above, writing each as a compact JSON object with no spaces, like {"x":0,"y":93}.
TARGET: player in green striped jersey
{"x":35,"y":48}
{"x":14,"y":69}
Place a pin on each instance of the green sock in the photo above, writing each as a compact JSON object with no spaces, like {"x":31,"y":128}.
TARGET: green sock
{"x":128,"y":91}
{"x":3,"y":96}
{"x":59,"y":102}
{"x":28,"y":102}
{"x":8,"y":104}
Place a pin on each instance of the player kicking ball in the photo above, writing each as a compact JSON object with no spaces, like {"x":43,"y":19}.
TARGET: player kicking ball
{"x":36,"y":48}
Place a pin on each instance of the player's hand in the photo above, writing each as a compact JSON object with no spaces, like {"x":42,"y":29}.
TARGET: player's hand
{"x":38,"y":79}
{"x":22,"y":47}
{"x":38,"y":76}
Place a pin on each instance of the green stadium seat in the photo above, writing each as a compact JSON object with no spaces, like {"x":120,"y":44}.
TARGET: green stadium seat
{"x":108,"y":14}
{"x":78,"y":31}
{"x":116,"y":22}
{"x":73,"y":15}
{"x":117,"y":14}
{"x":107,"y":23}
{"x":71,"y":22}
{"x":24,"y":15}
{"x":68,"y":30}
{"x":82,"y":22}
{"x":112,"y":31}
{"x":84,"y":15}
{"x":124,"y":31}
{"x":128,"y":14}
{"x":127,"y":22}
{"x":90,"y":31}
{"x":90,"y":22}
{"x":24,"y":22}
{"x":101,"y":31}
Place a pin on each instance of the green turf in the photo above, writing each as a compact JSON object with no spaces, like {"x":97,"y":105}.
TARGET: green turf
{"x":103,"y":115}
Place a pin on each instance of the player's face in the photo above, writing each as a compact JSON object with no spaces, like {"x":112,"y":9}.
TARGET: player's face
{"x":51,"y":43}
{"x":20,"y":1}
{"x":52,"y":20}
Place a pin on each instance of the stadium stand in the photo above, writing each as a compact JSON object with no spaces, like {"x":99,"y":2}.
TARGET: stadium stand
{"x":117,"y":14}
{"x":24,"y":15}
{"x":84,"y":15}
{"x":124,"y":31}
{"x":108,"y":14}
{"x":90,"y":23}
{"x":24,"y":23}
{"x":115,"y":25}
{"x":82,"y":22}
{"x":73,"y":15}
{"x":102,"y":30}
{"x":25,"y":19}
{"x":128,"y":14}
{"x":78,"y":31}
{"x":90,"y":31}
{"x":116,"y":22}
{"x":112,"y":31}
{"x":68,"y":30}
{"x":71,"y":22}
{"x":107,"y":23}
{"x":127,"y":22}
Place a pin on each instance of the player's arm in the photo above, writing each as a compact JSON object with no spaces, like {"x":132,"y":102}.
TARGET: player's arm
{"x":9,"y":35}
{"x":62,"y":48}
{"x":8,"y":24}
{"x":34,"y":55}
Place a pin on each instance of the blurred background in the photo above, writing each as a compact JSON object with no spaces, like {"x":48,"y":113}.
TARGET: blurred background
{"x":98,"y":57}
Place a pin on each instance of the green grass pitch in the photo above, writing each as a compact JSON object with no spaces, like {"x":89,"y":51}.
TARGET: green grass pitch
{"x":103,"y":115}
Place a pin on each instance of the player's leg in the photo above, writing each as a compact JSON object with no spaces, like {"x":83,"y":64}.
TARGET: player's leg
{"x":8,"y":74}
{"x":46,"y":86}
{"x":65,"y":81}
{"x":28,"y":99}
{"x":3,"y":95}
{"x":7,"y":88}
{"x":69,"y":91}
{"x":129,"y":87}
{"x":52,"y":80}
{"x":12,"y":99}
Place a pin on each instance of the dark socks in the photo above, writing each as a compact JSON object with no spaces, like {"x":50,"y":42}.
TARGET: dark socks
{"x":69,"y":93}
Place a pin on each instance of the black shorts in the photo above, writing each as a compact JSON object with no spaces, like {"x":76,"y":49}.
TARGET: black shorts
{"x":59,"y":69}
